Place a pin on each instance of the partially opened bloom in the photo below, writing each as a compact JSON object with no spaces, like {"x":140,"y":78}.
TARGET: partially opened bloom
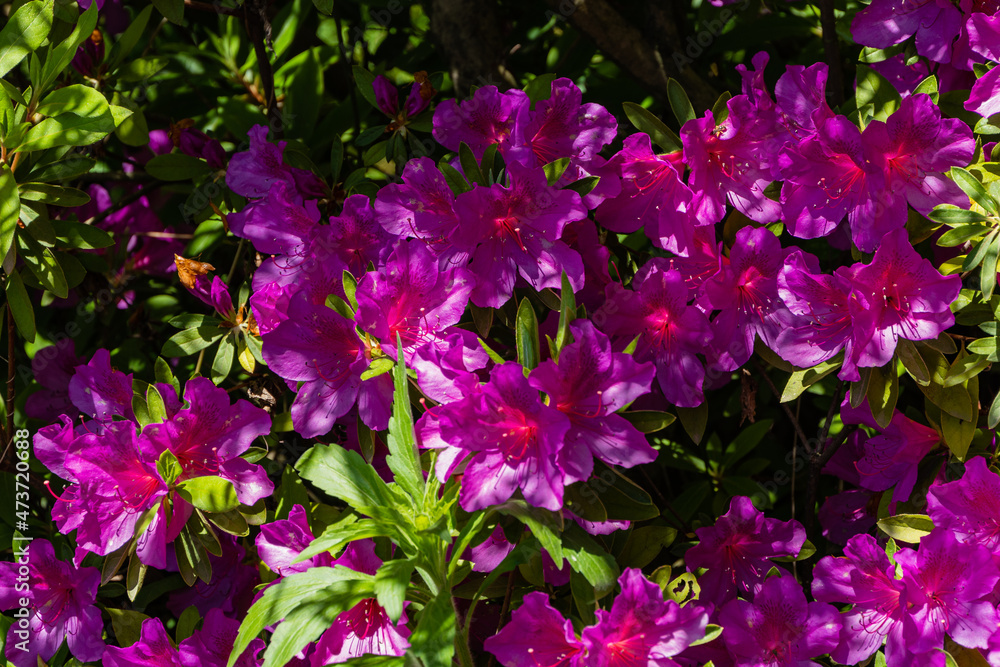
{"x":61,"y":602}
{"x":515,"y":230}
{"x":738,"y":550}
{"x":779,"y":628}
{"x":967,"y":507}
{"x":589,"y":385}
{"x":537,"y":634}
{"x":642,"y":629}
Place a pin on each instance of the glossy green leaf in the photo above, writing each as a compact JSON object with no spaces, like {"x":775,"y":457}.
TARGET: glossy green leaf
{"x":403,"y":459}
{"x":222,"y":363}
{"x":679,"y":102}
{"x":190,"y":341}
{"x":658,"y":132}
{"x":975,"y":190}
{"x":209,"y":493}
{"x":526,"y":336}
{"x":10,"y":210}
{"x":907,"y":528}
{"x":44,"y":265}
{"x":20,"y":306}
{"x":24,"y":32}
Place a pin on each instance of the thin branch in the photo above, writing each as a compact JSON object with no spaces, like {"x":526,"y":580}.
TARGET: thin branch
{"x":8,"y":435}
{"x":831,"y":48}
{"x":122,"y":203}
{"x":784,"y":406}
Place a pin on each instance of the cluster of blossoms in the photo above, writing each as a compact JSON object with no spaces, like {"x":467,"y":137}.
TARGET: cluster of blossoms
{"x":339,"y":300}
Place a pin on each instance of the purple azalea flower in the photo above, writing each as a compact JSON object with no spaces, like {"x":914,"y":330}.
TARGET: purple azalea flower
{"x":779,"y":629}
{"x":838,"y":171}
{"x":278,"y":224}
{"x":154,"y":649}
{"x":252,"y":173}
{"x":589,"y":385}
{"x":61,"y":599}
{"x":211,"y":645}
{"x":886,"y":22}
{"x":921,"y":147}
{"x":364,"y":628}
{"x":99,"y":390}
{"x":642,"y":629}
{"x":53,"y":368}
{"x":320,"y":347}
{"x":821,"y":303}
{"x":865,"y":578}
{"x":653,"y":197}
{"x":516,"y":229}
{"x":537,"y":634}
{"x":800,"y":99}
{"x":410,"y":297}
{"x":671,"y":333}
{"x":738,"y":548}
{"x":730,"y":161}
{"x":488,"y":554}
{"x":448,"y":374}
{"x":560,"y":126}
{"x":280,"y":543}
{"x":966,"y":507}
{"x":209,"y":436}
{"x":899,"y":295}
{"x":417,"y":100}
{"x":423,"y":207}
{"x":514,"y":440}
{"x":356,"y":237}
{"x":746,"y":292}
{"x":316,"y":274}
{"x":892,"y":457}
{"x":488,"y":118}
{"x":984,"y":39}
{"x":949,"y":589}
{"x":115,"y":484}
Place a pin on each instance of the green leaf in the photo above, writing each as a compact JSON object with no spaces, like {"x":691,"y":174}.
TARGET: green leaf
{"x":623,"y":500}
{"x":545,"y":525}
{"x":172,"y":10}
{"x":20,"y":306}
{"x":128,"y":39}
{"x":379,"y":366}
{"x":554,"y":170}
{"x":649,"y":421}
{"x":177,"y":167}
{"x":345,"y":475}
{"x":874,"y":90}
{"x":960,"y":235}
{"x":303,"y":96}
{"x":209,"y":493}
{"x":694,"y":420}
{"x":907,"y":527}
{"x":994,"y":415}
{"x":928,"y":86}
{"x":10,"y":210}
{"x":491,"y":353}
{"x":584,"y":185}
{"x":644,"y":544}
{"x":321,"y":591}
{"x":974,"y":188}
{"x":456,"y":181}
{"x":540,"y":87}
{"x":25,"y":31}
{"x":169,"y":467}
{"x":745,"y":442}
{"x":53,"y":194}
{"x":526,"y":335}
{"x":433,"y":640}
{"x":978,"y":254}
{"x":189,"y":341}
{"x":567,"y":313}
{"x":470,"y":167}
{"x":155,"y":405}
{"x":955,"y":217}
{"x":61,"y":54}
{"x":403,"y":459}
{"x":79,"y":236}
{"x":126,"y":624}
{"x":339,"y":534}
{"x":679,"y":102}
{"x":883,"y":391}
{"x":365,"y":81}
{"x":43,"y":265}
{"x":799,"y":381}
{"x":76,"y":99}
{"x":63,"y":170}
{"x":69,"y":129}
{"x":957,"y":434}
{"x":187,"y":623}
{"x":913,"y":362}
{"x":588,"y":558}
{"x":223,"y":361}
{"x":391,"y":581}
{"x":985,"y":346}
{"x":658,"y":132}
{"x":964,"y":368}
{"x":134,"y":576}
